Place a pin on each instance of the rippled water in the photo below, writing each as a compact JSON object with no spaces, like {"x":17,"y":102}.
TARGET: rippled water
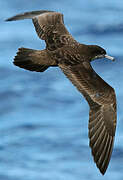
{"x":44,"y":119}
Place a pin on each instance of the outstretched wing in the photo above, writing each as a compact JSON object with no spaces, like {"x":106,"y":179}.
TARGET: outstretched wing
{"x":102,"y":118}
{"x":49,"y":26}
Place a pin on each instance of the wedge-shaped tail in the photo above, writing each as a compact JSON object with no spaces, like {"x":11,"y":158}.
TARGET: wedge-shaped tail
{"x":32,"y":60}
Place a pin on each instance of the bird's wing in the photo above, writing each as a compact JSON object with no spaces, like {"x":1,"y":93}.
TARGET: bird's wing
{"x":49,"y":26}
{"x":102,"y":118}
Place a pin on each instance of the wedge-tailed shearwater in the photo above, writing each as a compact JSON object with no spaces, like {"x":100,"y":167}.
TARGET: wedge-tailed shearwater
{"x":74,"y":59}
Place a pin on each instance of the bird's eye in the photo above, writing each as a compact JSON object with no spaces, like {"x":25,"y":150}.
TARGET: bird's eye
{"x":103,"y":52}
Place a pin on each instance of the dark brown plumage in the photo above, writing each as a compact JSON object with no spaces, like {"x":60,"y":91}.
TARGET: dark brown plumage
{"x":74,"y":60}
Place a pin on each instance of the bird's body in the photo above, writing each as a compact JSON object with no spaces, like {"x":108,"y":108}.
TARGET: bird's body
{"x":74,"y":59}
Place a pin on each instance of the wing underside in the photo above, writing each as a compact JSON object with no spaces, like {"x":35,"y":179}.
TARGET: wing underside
{"x":102,"y":117}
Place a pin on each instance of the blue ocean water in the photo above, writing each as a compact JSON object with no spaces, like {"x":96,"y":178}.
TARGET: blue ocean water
{"x":43,"y":118}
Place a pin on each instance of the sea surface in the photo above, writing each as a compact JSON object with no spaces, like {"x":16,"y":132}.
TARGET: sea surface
{"x":43,"y":118}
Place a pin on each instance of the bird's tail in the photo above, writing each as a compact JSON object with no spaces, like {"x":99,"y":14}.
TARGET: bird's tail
{"x":32,"y":60}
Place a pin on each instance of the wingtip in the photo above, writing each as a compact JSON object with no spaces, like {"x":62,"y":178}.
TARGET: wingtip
{"x":102,"y":171}
{"x":14,"y":18}
{"x":6,"y":20}
{"x":10,"y":19}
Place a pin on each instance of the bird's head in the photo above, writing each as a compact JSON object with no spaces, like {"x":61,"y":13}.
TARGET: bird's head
{"x":96,"y":52}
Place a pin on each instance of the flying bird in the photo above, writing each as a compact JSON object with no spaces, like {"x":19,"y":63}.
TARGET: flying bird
{"x":74,"y":59}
